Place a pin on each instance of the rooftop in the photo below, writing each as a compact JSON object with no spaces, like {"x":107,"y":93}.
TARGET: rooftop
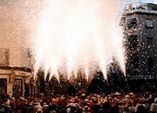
{"x":141,"y":8}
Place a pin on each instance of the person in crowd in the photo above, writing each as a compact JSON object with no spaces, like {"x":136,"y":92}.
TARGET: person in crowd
{"x":82,"y":103}
{"x":153,"y":108}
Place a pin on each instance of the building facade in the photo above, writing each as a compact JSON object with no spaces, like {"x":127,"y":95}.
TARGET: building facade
{"x":15,"y":54}
{"x":15,"y":61}
{"x":140,"y":29}
{"x":15,"y":79}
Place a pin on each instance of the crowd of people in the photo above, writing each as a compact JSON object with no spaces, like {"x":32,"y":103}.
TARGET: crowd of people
{"x":82,"y":103}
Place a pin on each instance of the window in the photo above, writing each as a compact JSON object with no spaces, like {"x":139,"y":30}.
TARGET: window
{"x":131,"y":23}
{"x":133,"y":42}
{"x":149,"y":23}
{"x":154,"y":7}
{"x":150,"y":64}
{"x":29,"y":54}
{"x":134,"y":62}
{"x":17,"y":88}
{"x":4,"y":57}
{"x":133,"y":65}
{"x":149,"y":41}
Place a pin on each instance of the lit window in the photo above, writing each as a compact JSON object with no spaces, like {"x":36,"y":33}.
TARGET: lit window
{"x":149,"y":23}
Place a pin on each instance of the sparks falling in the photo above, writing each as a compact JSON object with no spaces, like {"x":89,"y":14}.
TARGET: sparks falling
{"x":78,"y":36}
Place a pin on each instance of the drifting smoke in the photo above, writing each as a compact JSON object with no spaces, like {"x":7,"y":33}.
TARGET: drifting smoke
{"x":78,"y":36}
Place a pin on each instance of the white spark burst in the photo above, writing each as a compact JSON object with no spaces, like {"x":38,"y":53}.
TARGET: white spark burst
{"x":78,"y":35}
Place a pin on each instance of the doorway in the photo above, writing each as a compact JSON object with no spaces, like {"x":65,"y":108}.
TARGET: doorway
{"x":3,"y":87}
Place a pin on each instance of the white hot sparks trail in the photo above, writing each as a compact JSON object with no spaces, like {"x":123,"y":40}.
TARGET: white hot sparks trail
{"x":78,"y":36}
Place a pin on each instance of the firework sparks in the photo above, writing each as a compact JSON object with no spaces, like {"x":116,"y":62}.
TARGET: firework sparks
{"x":78,"y":35}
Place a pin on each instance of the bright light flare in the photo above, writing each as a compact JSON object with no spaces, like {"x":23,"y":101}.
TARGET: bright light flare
{"x":78,"y":35}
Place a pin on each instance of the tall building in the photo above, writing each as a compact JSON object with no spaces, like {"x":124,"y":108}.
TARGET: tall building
{"x":140,"y":29}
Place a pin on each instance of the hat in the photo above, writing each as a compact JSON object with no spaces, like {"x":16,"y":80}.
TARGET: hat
{"x":155,"y":100}
{"x":86,"y":100}
{"x":117,"y":94}
{"x":127,"y":96}
{"x":83,"y":95}
{"x":132,"y":94}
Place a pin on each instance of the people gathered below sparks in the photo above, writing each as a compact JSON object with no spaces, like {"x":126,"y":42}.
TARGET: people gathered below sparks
{"x":144,"y":102}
